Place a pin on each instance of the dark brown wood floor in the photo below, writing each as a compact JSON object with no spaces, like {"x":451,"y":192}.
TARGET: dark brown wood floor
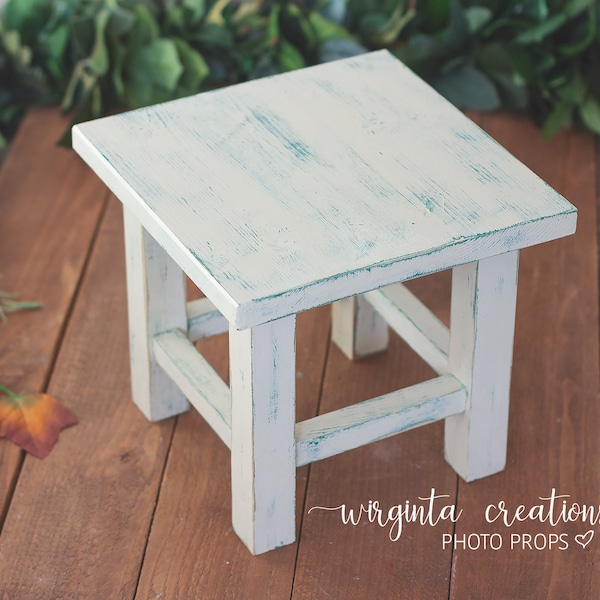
{"x":125,"y":509}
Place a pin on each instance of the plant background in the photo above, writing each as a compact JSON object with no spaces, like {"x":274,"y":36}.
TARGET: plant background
{"x":94,"y":56}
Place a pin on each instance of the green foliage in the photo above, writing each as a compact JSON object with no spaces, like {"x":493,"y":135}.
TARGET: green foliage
{"x":99,"y":55}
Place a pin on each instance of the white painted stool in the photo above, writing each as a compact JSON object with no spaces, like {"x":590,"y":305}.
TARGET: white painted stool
{"x":327,"y":185}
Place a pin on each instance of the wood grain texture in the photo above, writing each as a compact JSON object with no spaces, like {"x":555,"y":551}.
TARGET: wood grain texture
{"x":72,"y":528}
{"x":482,"y":322}
{"x":555,"y":413}
{"x":192,"y":550}
{"x":359,"y":194}
{"x":49,"y":207}
{"x":263,"y":453}
{"x":78,"y":522}
{"x":198,"y":381}
{"x":156,"y":302}
{"x":357,"y":329}
{"x":357,"y":562}
{"x":377,"y":418}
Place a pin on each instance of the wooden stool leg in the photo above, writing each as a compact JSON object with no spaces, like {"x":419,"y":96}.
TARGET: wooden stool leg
{"x":481,"y":340}
{"x":263,"y":450}
{"x":156,"y":302}
{"x":357,"y":329}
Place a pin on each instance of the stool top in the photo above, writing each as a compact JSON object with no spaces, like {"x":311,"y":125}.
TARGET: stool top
{"x":293,"y":191}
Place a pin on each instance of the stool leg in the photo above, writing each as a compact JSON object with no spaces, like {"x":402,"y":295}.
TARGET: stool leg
{"x":156,"y":302}
{"x":356,"y":328}
{"x":481,"y":340}
{"x":263,"y":450}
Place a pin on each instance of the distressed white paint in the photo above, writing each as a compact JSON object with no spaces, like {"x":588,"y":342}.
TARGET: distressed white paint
{"x":378,"y":418}
{"x":263,"y":454}
{"x":156,"y":301}
{"x":414,"y":323}
{"x":481,"y":342}
{"x":289,"y":192}
{"x":356,"y":328}
{"x":200,"y":383}
{"x":280,"y":195}
{"x":204,"y":320}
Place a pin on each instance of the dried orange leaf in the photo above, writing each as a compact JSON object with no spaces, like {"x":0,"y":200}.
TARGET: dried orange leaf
{"x":33,"y":421}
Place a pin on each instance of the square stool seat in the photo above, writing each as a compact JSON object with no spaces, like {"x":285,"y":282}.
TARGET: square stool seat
{"x":332,"y":184}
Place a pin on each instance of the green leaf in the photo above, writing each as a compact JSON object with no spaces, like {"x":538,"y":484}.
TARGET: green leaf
{"x":578,"y":46}
{"x":478,"y":17}
{"x":13,"y":45}
{"x":194,"y":9}
{"x":467,"y":87}
{"x":423,"y":54}
{"x":80,"y":85}
{"x":576,"y":7}
{"x":434,"y":13}
{"x":87,"y":71}
{"x":534,"y":9}
{"x":99,"y":60}
{"x":524,"y":63}
{"x":574,"y":90}
{"x":85,"y":112}
{"x":213,"y":35}
{"x":326,"y":29}
{"x":28,"y":17}
{"x":10,"y":304}
{"x":559,"y":118}
{"x":589,"y":111}
{"x":55,"y":44}
{"x":457,"y":32}
{"x":195,"y":69}
{"x":121,"y":21}
{"x":296,"y":28}
{"x":159,"y":64}
{"x":57,"y":40}
{"x":82,"y":35}
{"x":288,"y":57}
{"x":118,"y":54}
{"x":495,"y":61}
{"x":216,"y":12}
{"x":392,"y":28}
{"x":146,"y":28}
{"x":512,"y":90}
{"x":371,"y":23}
{"x":494,"y":57}
{"x":273,"y":24}
{"x":537,"y":34}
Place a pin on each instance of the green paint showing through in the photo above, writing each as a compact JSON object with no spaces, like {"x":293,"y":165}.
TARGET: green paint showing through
{"x":277,"y":129}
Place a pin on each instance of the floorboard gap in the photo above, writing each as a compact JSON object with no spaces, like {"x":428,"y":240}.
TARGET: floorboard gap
{"x":321,"y":384}
{"x":450,"y":578}
{"x":11,"y":490}
{"x":75,"y":296}
{"x":56,"y":349}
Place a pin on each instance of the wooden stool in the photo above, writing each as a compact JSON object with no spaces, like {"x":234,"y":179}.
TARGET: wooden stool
{"x":327,"y":185}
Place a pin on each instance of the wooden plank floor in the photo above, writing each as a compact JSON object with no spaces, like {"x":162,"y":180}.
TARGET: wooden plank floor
{"x":127,"y":509}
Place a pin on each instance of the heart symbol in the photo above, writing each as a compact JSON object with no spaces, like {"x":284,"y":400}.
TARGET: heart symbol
{"x":584,"y":539}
